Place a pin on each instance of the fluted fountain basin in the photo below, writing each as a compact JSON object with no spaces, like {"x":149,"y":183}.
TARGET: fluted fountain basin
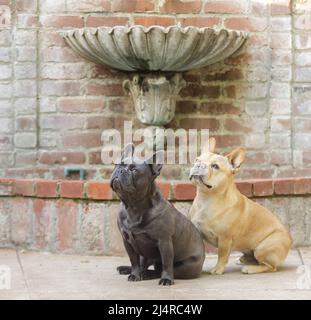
{"x":156,"y":48}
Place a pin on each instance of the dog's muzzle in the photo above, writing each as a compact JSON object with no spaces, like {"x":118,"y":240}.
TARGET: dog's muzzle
{"x":198,"y":172}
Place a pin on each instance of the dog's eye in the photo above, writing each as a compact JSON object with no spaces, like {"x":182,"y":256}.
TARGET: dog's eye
{"x":215,"y":166}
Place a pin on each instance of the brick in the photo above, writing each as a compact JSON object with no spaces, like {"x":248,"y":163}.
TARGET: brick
{"x":5,"y":17}
{"x":302,"y":186}
{"x":302,"y":141}
{"x":225,"y":141}
{"x":23,"y":159}
{"x":67,"y":212}
{"x":25,"y":124}
{"x":62,"y":157}
{"x":5,"y":236}
{"x":25,"y":70}
{"x":99,"y":191}
{"x":59,"y":54}
{"x":71,"y":189}
{"x":24,"y":188}
{"x":93,"y":228}
{"x":281,"y":57}
{"x":86,"y":139}
{"x":280,"y":7}
{"x":21,"y":224}
{"x":5,"y":72}
{"x":116,"y":247}
{"x":25,"y":37}
{"x":26,"y":5}
{"x":284,"y":186}
{"x":79,"y":105}
{"x":280,"y":106}
{"x":46,"y":189}
{"x":226,"y":6}
{"x":200,"y":22}
{"x":106,"y":21}
{"x":148,"y":21}
{"x":245,"y":188}
{"x":94,"y":157}
{"x":246,"y":24}
{"x":217,"y":108}
{"x":184,"y":191}
{"x":179,"y":6}
{"x":303,"y":74}
{"x":6,"y":160}
{"x":5,"y":90}
{"x":61,"y":122}
{"x":236,"y":126}
{"x":281,"y":157}
{"x":50,"y":6}
{"x":280,"y":90}
{"x":199,"y":123}
{"x":263,"y":188}
{"x":26,"y":54}
{"x":165,"y":188}
{"x":64,"y":71}
{"x":110,"y":90}
{"x":6,"y":143}
{"x":302,"y":59}
{"x":88,"y":6}
{"x":25,"y":106}
{"x":281,"y":41}
{"x":5,"y":54}
{"x":62,"y":21}
{"x":60,"y":88}
{"x":42,"y":211}
{"x":280,"y":140}
{"x":25,"y":140}
{"x":26,"y":88}
{"x":132,"y":6}
{"x":27,"y":21}
{"x":302,"y":41}
{"x":302,"y":22}
{"x":6,"y":125}
{"x":6,"y":187}
{"x":280,"y":124}
{"x":280,"y":23}
{"x":98,"y":122}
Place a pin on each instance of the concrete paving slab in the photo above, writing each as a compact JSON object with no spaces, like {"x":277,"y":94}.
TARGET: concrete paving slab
{"x":56,"y":276}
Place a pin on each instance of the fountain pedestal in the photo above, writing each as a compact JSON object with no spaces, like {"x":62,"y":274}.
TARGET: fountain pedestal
{"x":159,"y":52}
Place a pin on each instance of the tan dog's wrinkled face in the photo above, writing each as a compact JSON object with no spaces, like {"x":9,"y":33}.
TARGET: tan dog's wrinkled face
{"x":212,"y":171}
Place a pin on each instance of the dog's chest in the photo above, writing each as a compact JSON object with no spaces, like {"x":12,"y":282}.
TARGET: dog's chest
{"x":203,"y":222}
{"x":141,"y":241}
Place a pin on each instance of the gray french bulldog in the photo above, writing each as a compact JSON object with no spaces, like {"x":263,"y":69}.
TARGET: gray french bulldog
{"x":154,"y":232}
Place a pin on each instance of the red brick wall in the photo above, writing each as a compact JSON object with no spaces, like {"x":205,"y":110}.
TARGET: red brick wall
{"x":54,"y":105}
{"x":66,"y":216}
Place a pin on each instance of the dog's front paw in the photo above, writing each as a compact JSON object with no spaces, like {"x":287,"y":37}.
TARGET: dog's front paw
{"x":133,"y":277}
{"x":124,"y":269}
{"x":166,"y":282}
{"x":217,"y":270}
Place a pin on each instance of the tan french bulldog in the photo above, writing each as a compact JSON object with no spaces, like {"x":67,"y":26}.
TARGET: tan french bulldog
{"x":229,"y":220}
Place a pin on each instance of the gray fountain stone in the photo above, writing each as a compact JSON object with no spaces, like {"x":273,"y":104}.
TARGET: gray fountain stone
{"x":157,"y":55}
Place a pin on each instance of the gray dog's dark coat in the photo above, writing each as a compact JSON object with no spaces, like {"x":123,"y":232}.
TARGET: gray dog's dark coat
{"x":154,"y":232}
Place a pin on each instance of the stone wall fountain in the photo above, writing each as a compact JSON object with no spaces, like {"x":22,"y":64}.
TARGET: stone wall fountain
{"x":156,"y":57}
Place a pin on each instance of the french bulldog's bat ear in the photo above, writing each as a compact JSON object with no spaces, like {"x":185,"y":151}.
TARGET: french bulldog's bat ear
{"x":210,"y":145}
{"x":128,"y":151}
{"x":156,"y":162}
{"x":236,"y":158}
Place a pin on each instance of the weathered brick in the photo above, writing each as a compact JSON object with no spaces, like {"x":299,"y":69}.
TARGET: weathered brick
{"x":49,"y":6}
{"x":21,"y":224}
{"x":96,"y":21}
{"x":184,"y":191}
{"x":26,"y":5}
{"x":71,"y":189}
{"x":226,"y":6}
{"x":148,"y":21}
{"x":179,"y":6}
{"x":24,"y":188}
{"x":245,"y":188}
{"x":61,"y":122}
{"x":132,"y":6}
{"x":263,"y":188}
{"x":110,"y":90}
{"x":200,"y":21}
{"x":67,"y":212}
{"x":89,"y":140}
{"x":62,"y":157}
{"x":62,"y":21}
{"x":25,"y":123}
{"x":246,"y":24}
{"x":78,"y":105}
{"x":284,"y":186}
{"x":27,"y":21}
{"x":25,"y":140}
{"x":99,"y":191}
{"x":88,"y":6}
{"x":46,"y":189}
